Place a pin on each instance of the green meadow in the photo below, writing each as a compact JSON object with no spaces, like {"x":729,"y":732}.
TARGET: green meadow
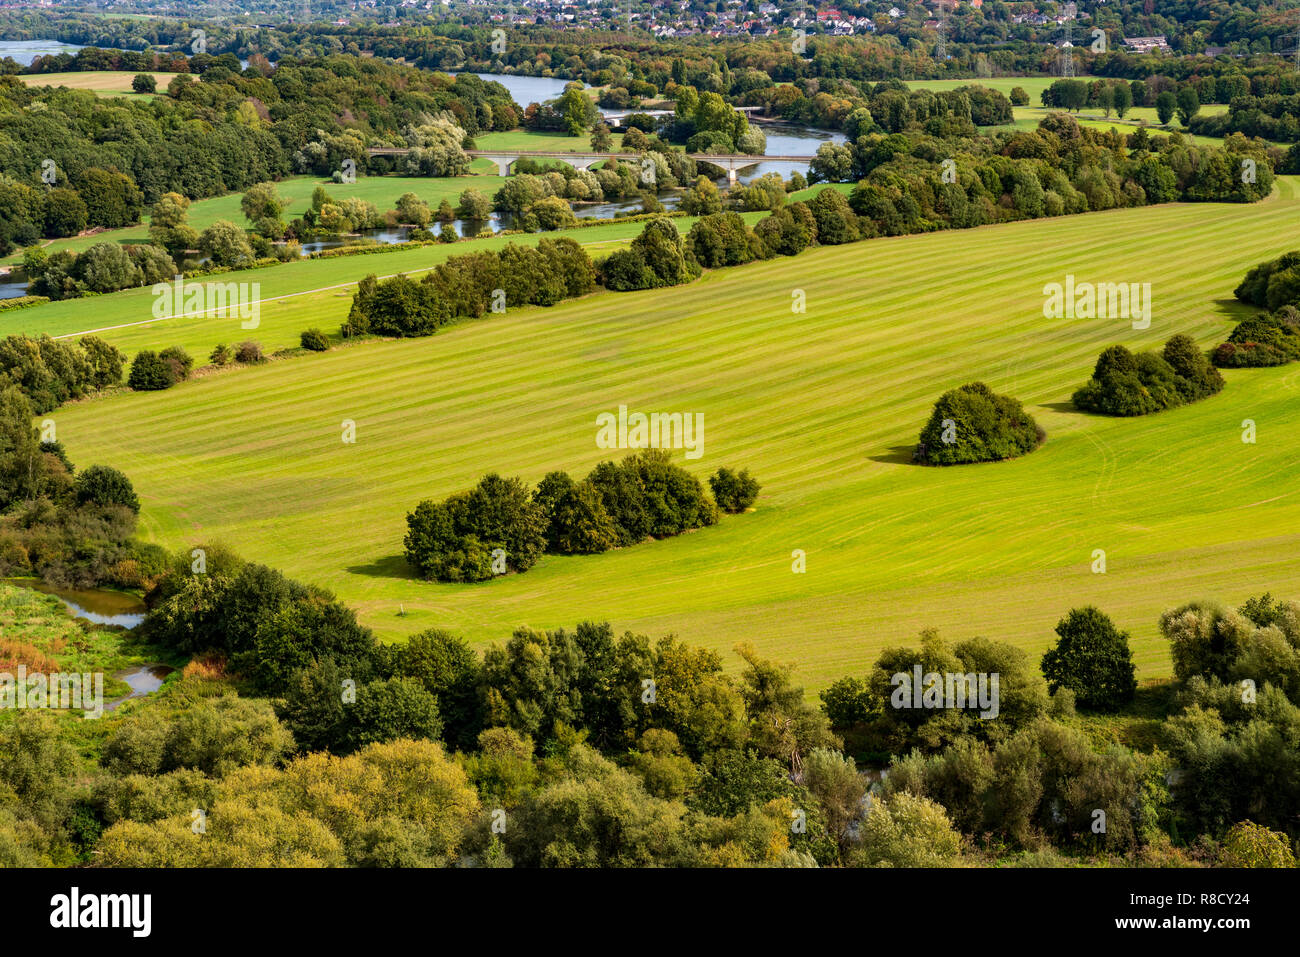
{"x":1028,"y":117}
{"x":383,"y":191}
{"x":297,"y":295}
{"x":822,"y":406}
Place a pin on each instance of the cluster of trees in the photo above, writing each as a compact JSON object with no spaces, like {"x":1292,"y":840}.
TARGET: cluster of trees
{"x":1169,"y":97}
{"x":469,"y":286}
{"x":68,"y":527}
{"x":1126,"y":384}
{"x":153,"y":371}
{"x":1268,"y":338}
{"x":594,"y":749}
{"x":1056,"y":169}
{"x":31,"y":207}
{"x":656,"y":258}
{"x":50,"y":372}
{"x":973,"y":423}
{"x":500,"y":525}
{"x":1270,"y":117}
{"x":707,"y":123}
{"x":650,"y":170}
{"x":219,"y":129}
{"x":101,"y":268}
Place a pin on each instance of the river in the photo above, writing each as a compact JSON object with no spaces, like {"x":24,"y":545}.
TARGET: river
{"x":25,"y":51}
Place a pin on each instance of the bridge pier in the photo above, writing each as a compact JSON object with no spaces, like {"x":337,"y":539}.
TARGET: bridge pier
{"x":503,"y":164}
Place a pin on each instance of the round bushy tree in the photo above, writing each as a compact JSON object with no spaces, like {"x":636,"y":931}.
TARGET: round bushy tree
{"x":1092,"y":659}
{"x":100,"y":485}
{"x":151,"y":372}
{"x":733,"y":492}
{"x":974,"y":424}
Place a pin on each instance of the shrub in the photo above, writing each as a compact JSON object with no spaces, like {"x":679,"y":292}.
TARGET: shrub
{"x":315,"y":340}
{"x":656,"y":258}
{"x":1126,"y":384}
{"x":649,"y":497}
{"x":1092,"y":659}
{"x":249,"y":353}
{"x":733,"y":493}
{"x":150,"y":372}
{"x":907,"y":831}
{"x":1249,"y":844}
{"x":723,"y":239}
{"x":454,"y":540}
{"x":221,"y":354}
{"x":179,"y":360}
{"x":974,"y":424}
{"x":102,"y":486}
{"x":1263,"y":340}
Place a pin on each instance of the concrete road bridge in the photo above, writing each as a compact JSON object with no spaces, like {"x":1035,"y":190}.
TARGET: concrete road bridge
{"x":505,"y":159}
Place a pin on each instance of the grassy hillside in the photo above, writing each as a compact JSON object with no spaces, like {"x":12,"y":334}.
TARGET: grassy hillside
{"x":296,"y":295}
{"x":823,"y":407}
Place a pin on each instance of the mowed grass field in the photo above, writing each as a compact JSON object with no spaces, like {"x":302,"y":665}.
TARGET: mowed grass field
{"x":103,"y":82}
{"x":294,"y":296}
{"x":823,"y":407}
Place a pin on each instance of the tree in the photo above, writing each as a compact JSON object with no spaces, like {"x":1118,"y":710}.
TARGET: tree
{"x":782,"y":724}
{"x":974,"y":424}
{"x":1123,"y":99}
{"x":1092,"y":659}
{"x":733,"y":493}
{"x":846,"y":702}
{"x":576,"y":109}
{"x":65,"y":213}
{"x":448,"y":668}
{"x":112,"y":199}
{"x":262,"y":206}
{"x":107,"y":267}
{"x":102,"y":486}
{"x":834,"y":781}
{"x":474,"y":206}
{"x":226,"y":244}
{"x":391,"y":709}
{"x":455,"y":540}
{"x":21,"y":462}
{"x":150,"y":372}
{"x":413,"y":211}
{"x":1188,"y":104}
{"x":1018,"y":96}
{"x":1166,"y":104}
{"x":907,"y":831}
{"x":144,"y":83}
{"x":601,"y":139}
{"x":168,"y":227}
{"x":1248,"y":844}
{"x":702,"y":199}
